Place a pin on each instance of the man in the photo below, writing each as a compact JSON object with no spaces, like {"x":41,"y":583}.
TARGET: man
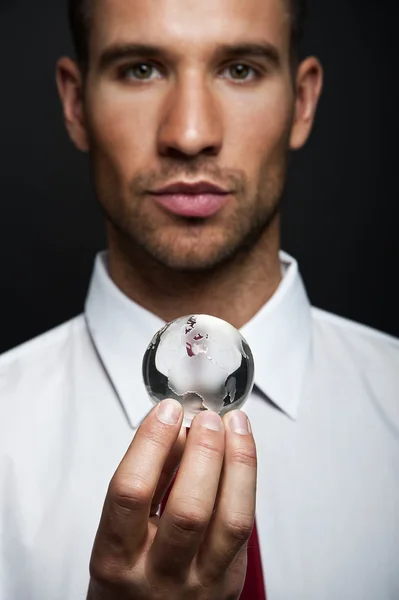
{"x":189,"y":110}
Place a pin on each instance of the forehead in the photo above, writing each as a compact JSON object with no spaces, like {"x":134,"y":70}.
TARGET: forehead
{"x":189,"y":24}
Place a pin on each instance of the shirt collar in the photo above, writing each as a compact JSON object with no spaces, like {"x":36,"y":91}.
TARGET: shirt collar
{"x":279,"y":336}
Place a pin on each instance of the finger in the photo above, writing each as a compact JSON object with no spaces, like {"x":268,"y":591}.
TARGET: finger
{"x":233,"y":519}
{"x":124,"y":523}
{"x":192,"y":498}
{"x":169,"y":470}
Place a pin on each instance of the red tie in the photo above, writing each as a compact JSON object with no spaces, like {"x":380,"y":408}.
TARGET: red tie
{"x":254,"y":587}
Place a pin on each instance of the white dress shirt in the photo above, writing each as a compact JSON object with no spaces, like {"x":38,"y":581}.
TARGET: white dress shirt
{"x":325,"y":415}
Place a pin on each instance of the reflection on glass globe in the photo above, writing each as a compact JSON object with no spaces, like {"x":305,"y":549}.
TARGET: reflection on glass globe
{"x":201,"y":361}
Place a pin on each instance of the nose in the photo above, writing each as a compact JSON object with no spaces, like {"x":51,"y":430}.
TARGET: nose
{"x":191,"y":123}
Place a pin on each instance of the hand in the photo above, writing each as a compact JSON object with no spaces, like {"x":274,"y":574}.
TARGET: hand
{"x":197,"y":549}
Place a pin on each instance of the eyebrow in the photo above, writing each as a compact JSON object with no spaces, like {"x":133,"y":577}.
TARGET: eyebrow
{"x":118,"y":52}
{"x":263,"y":50}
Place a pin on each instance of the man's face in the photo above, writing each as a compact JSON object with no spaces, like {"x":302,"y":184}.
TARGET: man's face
{"x":189,"y":91}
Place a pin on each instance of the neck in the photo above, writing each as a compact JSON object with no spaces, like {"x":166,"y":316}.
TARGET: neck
{"x":234,"y":291}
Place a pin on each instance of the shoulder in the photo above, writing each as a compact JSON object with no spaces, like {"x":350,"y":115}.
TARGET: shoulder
{"x":361,"y":362}
{"x":350,"y":333}
{"x":45,"y":344}
{"x":356,"y":352}
{"x":39,"y":363}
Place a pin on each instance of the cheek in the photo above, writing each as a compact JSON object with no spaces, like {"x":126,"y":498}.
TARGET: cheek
{"x":257,"y":127}
{"x":122,"y":130}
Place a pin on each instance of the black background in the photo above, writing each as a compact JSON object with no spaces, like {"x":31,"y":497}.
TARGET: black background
{"x":340,"y":213}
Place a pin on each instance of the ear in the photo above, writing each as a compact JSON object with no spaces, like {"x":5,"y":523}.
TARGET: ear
{"x":70,"y":89}
{"x":308,"y":84}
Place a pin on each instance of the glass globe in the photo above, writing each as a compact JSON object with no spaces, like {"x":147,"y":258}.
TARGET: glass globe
{"x":201,"y":361}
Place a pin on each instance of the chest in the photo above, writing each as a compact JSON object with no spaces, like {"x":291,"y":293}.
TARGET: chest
{"x":327,"y":503}
{"x":328,"y":500}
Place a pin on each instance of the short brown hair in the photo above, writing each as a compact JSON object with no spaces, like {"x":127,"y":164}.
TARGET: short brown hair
{"x":79,"y":23}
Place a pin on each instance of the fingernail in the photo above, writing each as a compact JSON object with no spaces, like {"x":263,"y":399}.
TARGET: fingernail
{"x":239,"y":423}
{"x":211,"y":420}
{"x":169,"y":412}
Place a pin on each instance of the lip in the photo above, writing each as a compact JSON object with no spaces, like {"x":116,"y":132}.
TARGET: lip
{"x":200,"y":199}
{"x":195,"y":188}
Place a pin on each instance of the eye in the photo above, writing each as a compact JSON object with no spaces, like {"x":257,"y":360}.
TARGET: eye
{"x":140,"y":71}
{"x":241,"y":72}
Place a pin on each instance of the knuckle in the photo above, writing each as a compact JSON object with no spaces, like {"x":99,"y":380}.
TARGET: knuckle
{"x":239,"y":528}
{"x":208,"y":449}
{"x":129,"y":495}
{"x":156,"y":435}
{"x":244,"y":455}
{"x":107,"y":574}
{"x":188,"y":522}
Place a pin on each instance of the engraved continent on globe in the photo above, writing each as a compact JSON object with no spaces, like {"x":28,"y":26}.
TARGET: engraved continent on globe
{"x":201,"y":361}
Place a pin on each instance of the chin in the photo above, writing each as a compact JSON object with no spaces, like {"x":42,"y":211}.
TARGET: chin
{"x":196,"y":248}
{"x":194,"y":259}
{"x":191,"y":246}
{"x":192,"y":265}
